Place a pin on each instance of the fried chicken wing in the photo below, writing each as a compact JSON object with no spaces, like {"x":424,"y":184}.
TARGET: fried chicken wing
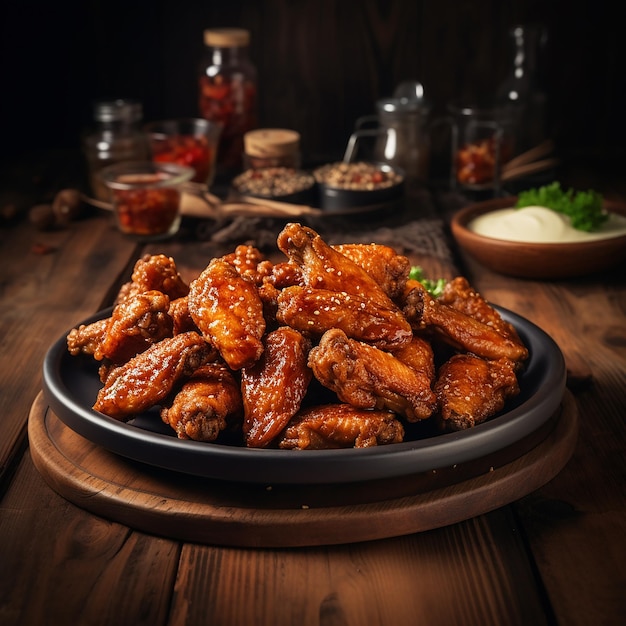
{"x":389,"y":269}
{"x":207,"y":403}
{"x":459,"y":295}
{"x":457,"y":328}
{"x":273,"y":388}
{"x":86,"y":338}
{"x":340,"y":426}
{"x":250,"y":263}
{"x":419,"y":355}
{"x":470,"y":389}
{"x":317,"y":310}
{"x":155,"y":273}
{"x":325,"y":268}
{"x":181,"y":317}
{"x":135,"y":324}
{"x":148,"y":378}
{"x":228,"y":310}
{"x":369,"y":378}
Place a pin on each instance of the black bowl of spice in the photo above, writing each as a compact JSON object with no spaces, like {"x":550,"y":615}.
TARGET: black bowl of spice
{"x":283,"y":184}
{"x":358,"y":184}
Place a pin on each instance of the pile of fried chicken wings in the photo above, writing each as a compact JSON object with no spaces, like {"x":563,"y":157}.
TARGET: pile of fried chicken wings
{"x":245,"y":348}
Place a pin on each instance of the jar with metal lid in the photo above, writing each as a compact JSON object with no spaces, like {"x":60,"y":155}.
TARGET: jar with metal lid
{"x":115,"y":138}
{"x":228,"y":92}
{"x":271,"y":147}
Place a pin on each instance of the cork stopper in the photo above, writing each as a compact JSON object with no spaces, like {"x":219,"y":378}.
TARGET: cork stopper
{"x":271,"y":142}
{"x":226,"y":37}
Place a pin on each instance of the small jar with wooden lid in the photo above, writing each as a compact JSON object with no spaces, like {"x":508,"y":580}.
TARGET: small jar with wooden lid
{"x":271,"y":147}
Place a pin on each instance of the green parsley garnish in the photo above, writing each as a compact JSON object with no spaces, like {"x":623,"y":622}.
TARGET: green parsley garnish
{"x":433,"y":287}
{"x":584,"y":208}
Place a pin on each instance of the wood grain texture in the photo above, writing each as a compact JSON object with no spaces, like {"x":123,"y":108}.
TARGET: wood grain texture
{"x":581,"y":514}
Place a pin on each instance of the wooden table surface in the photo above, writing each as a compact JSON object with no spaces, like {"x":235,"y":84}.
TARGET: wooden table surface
{"x":555,"y":556}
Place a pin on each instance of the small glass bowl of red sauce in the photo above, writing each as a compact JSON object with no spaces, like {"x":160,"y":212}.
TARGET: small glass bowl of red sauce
{"x":188,"y":141}
{"x":146,"y":197}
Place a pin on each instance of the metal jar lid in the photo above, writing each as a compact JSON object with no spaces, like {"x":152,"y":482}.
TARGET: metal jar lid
{"x":119,"y":110}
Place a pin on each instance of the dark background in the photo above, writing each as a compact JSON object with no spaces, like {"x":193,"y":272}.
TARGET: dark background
{"x":321,"y":63}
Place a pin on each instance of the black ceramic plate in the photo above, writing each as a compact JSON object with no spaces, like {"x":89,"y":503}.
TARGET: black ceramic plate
{"x":71,"y":384}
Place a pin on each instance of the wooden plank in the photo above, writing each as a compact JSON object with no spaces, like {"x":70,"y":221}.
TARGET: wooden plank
{"x":475,"y":572}
{"x":43,"y":295}
{"x":576,"y":524}
{"x":62,"y":565}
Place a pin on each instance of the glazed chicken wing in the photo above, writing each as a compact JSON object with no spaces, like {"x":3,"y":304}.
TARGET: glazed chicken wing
{"x":148,"y":378}
{"x":317,"y":310}
{"x":457,"y":328}
{"x":181,"y":317}
{"x":369,"y":378}
{"x":459,"y":295}
{"x":155,"y":273}
{"x":419,"y":355}
{"x":250,"y":263}
{"x":86,"y":338}
{"x":228,"y":310}
{"x":340,"y":426}
{"x":273,"y":388}
{"x":325,"y":268}
{"x":136,"y":323}
{"x":208,"y":402}
{"x":389,"y":269}
{"x":470,"y":389}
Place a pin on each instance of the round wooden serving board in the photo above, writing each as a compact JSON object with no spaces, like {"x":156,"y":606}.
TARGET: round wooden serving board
{"x":215,"y":512}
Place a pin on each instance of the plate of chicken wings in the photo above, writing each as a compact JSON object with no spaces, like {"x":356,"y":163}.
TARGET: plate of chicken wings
{"x":331,"y":366}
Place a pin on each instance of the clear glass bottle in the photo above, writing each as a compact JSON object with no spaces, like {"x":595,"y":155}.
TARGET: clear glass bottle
{"x":228,"y":92}
{"x":116,"y":137}
{"x":521,"y":96}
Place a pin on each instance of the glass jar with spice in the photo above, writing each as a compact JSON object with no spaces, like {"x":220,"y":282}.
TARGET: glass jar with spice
{"x":228,"y":92}
{"x":116,"y":137}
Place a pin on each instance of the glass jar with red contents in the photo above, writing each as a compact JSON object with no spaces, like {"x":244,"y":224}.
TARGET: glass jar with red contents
{"x":146,"y":197}
{"x":228,"y":92}
{"x":186,"y":141}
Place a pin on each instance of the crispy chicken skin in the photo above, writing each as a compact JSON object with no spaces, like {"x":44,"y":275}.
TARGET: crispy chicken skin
{"x":419,"y":355}
{"x":470,"y":389}
{"x":388,"y":268}
{"x":316,"y":310}
{"x":340,"y":426}
{"x":155,"y":273}
{"x":325,"y":268}
{"x":207,"y":403}
{"x":250,"y":263}
{"x":368,"y":378}
{"x":228,"y":310}
{"x":457,"y":328}
{"x":273,"y":388}
{"x":459,"y":295}
{"x":136,"y":323}
{"x":148,"y":378}
{"x":181,"y":317}
{"x":86,"y":338}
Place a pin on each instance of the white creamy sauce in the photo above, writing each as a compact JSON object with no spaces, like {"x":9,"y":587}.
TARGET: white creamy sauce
{"x":536,"y":224}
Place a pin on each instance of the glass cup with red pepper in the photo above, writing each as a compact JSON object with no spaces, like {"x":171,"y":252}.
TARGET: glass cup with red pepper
{"x":188,"y":141}
{"x":146,"y":197}
{"x":482,"y":142}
